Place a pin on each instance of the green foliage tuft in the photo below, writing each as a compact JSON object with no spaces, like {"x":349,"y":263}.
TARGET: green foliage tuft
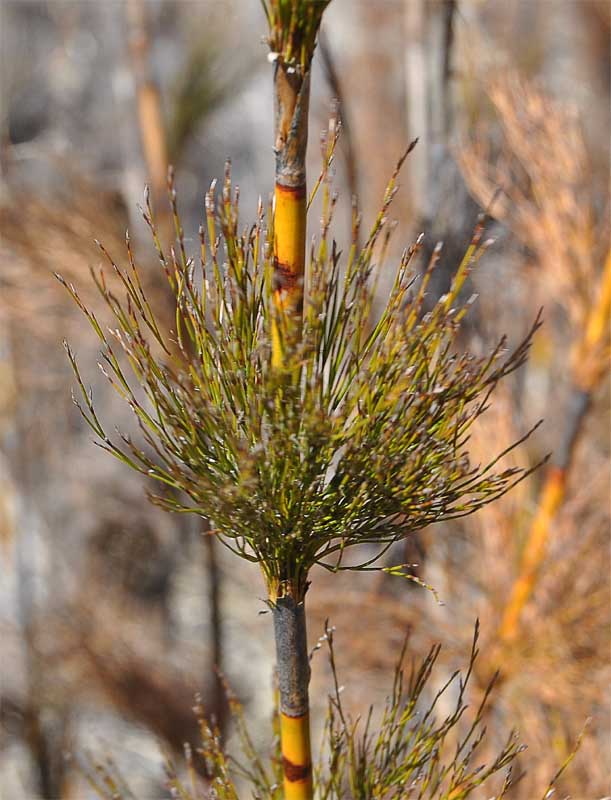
{"x":361,"y":438}
{"x":414,"y":755}
{"x":293,"y":28}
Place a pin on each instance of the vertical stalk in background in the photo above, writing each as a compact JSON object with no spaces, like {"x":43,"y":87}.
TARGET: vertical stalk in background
{"x":429,"y":101}
{"x":44,"y":727}
{"x":214,"y":587}
{"x":150,"y":115}
{"x":337,"y":93}
{"x":589,"y":363}
{"x":439,"y":198}
{"x":291,"y":105}
{"x":416,"y":90}
{"x":154,"y":140}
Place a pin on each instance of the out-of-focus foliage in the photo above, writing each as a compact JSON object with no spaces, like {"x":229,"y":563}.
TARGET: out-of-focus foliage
{"x":549,"y":202}
{"x":203,"y":85}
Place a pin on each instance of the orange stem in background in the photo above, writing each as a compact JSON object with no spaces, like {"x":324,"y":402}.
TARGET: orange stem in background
{"x":591,"y":357}
{"x":598,"y":321}
{"x":551,"y":498}
{"x":152,"y":130}
{"x":150,"y":115}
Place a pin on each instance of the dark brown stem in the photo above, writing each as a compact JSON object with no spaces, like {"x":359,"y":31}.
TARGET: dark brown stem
{"x":216,"y":633}
{"x":291,"y":106}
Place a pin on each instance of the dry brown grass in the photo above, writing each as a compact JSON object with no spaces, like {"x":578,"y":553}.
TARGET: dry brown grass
{"x":532,"y":171}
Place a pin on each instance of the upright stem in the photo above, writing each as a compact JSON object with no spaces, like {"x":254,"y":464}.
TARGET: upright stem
{"x":551,"y":499}
{"x":337,"y":93}
{"x":293,"y":671}
{"x":291,"y":104}
{"x":588,"y":368}
{"x":150,"y":115}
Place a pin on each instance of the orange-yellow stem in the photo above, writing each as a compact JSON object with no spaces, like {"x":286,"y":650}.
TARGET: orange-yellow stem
{"x":296,"y":757}
{"x":588,"y":366}
{"x":590,"y":356}
{"x":291,"y":105}
{"x":150,"y":115}
{"x":289,"y":262}
{"x":597,"y":326}
{"x":551,"y":499}
{"x":154,"y":143}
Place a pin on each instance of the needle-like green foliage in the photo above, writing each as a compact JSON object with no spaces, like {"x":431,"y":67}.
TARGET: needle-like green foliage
{"x":415,"y":752}
{"x":293,"y":27}
{"x":362,"y":438}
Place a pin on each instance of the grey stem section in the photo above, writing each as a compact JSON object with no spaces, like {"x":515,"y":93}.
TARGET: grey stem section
{"x":292,"y":659}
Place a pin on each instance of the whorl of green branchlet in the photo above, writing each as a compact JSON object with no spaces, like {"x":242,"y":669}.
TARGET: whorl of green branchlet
{"x":362,"y":439}
{"x":293,"y":27}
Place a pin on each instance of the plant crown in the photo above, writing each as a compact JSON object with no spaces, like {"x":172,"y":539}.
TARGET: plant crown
{"x":293,"y":28}
{"x":362,"y":436}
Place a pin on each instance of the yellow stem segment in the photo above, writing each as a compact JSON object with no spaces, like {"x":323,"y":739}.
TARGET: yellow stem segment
{"x":597,"y":326}
{"x":289,"y":263}
{"x":589,"y":364}
{"x":591,"y":356}
{"x":296,"y":757}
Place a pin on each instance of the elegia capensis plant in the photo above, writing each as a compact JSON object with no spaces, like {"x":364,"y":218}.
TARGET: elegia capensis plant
{"x":281,"y":406}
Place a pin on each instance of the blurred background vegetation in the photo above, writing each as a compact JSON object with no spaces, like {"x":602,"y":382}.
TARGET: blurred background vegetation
{"x":112,"y":614}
